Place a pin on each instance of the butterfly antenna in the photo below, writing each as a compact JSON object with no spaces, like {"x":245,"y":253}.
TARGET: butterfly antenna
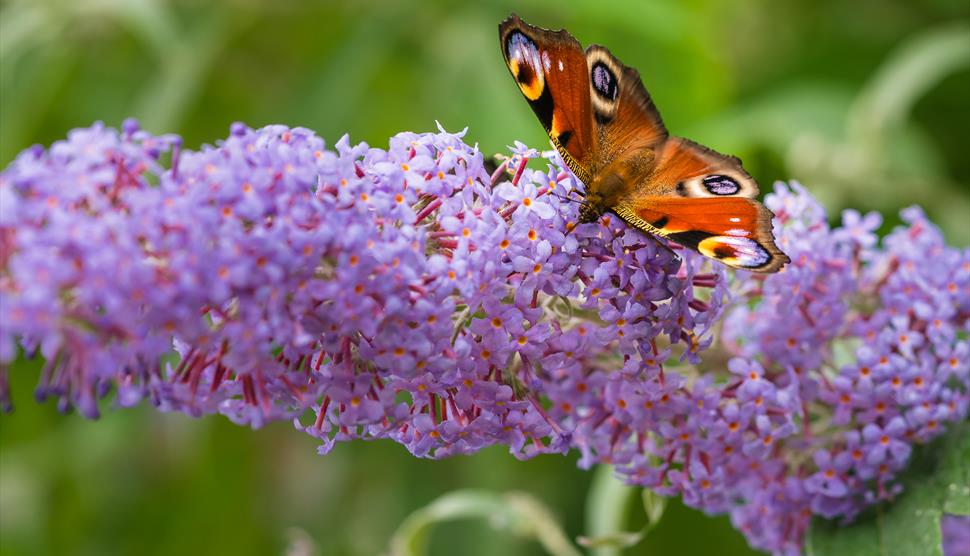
{"x":565,"y":197}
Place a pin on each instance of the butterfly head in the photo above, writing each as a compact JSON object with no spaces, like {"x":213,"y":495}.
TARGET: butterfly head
{"x":589,"y":211}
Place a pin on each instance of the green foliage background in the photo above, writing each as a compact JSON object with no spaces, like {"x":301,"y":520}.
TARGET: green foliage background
{"x":865,"y":102}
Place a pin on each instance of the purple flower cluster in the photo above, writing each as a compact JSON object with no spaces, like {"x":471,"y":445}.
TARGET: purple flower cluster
{"x":365,"y":293}
{"x":406,"y":294}
{"x":845,"y":360}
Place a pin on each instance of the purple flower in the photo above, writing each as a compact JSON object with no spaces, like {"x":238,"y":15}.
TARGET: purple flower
{"x":527,"y":196}
{"x":886,"y":443}
{"x":956,"y":535}
{"x":859,"y":229}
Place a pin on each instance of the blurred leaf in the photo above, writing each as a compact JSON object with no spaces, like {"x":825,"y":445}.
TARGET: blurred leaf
{"x":661,"y":20}
{"x":22,"y":26}
{"x":937,"y":480}
{"x":911,"y":71}
{"x":37,"y":53}
{"x":342,"y":87}
{"x":954,"y":472}
{"x":300,"y":543}
{"x":183,"y":70}
{"x":26,"y":98}
{"x":778,"y":116}
{"x":519,"y":513}
{"x":611,"y":543}
{"x":844,"y":351}
{"x":654,"y":506}
{"x":607,"y":511}
{"x":151,"y":20}
{"x":27,"y":24}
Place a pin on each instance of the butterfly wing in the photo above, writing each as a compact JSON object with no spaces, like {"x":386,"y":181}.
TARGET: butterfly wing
{"x":628,"y":131}
{"x":735,"y":231}
{"x":550,"y":69}
{"x":686,"y":169}
{"x":704,"y":200}
{"x":626,"y":118}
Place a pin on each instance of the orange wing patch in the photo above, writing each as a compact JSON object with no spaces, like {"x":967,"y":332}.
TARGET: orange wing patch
{"x":687,"y":169}
{"x":733,"y":230}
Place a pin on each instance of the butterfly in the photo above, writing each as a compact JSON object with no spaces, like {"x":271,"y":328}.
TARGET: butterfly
{"x":602,"y":121}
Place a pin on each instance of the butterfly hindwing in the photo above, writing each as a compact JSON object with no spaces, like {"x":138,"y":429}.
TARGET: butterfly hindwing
{"x":686,"y":169}
{"x":703,"y":200}
{"x":625,"y":116}
{"x":733,"y":230}
{"x":550,"y":70}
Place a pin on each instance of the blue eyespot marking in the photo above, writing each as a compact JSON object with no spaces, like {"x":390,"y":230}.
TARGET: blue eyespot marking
{"x":739,"y":251}
{"x":721,"y":185}
{"x":604,"y":82}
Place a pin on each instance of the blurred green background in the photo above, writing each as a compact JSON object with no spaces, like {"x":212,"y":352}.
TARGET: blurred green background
{"x":865,"y":102}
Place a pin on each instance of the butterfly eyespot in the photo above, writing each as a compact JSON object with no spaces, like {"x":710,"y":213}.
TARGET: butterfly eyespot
{"x":723,"y":251}
{"x":526,"y":75}
{"x":736,"y":250}
{"x":604,"y":81}
{"x":525,"y":62}
{"x":516,"y":42}
{"x":721,"y":185}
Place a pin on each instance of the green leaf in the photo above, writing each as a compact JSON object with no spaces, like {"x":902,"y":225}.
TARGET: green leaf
{"x":516,"y":512}
{"x":844,"y":351}
{"x":607,"y":510}
{"x":955,"y":473}
{"x":917,"y":66}
{"x":653,"y":505}
{"x":937,"y":481}
{"x":611,"y":543}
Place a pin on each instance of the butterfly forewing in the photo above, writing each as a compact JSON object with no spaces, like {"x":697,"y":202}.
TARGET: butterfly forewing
{"x":550,"y":69}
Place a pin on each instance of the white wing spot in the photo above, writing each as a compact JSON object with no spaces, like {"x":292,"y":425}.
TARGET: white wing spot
{"x":560,"y":65}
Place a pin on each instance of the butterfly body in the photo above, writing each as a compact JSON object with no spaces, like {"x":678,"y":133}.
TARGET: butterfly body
{"x":603,"y":122}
